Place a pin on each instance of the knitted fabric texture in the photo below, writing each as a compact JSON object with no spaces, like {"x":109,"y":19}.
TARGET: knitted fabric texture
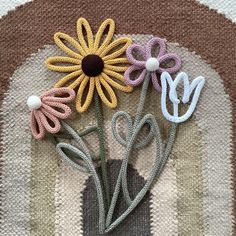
{"x":195,"y":194}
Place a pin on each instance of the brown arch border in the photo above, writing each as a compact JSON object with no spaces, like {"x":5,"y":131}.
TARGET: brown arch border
{"x":192,"y":25}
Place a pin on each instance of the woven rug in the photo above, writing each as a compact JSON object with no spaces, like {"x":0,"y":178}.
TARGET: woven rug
{"x":195,"y":195}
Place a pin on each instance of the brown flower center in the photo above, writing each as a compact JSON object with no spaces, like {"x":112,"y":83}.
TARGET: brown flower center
{"x":92,"y":65}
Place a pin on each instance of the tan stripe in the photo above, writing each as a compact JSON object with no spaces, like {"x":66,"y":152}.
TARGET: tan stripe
{"x":42,"y":188}
{"x":188,"y":163}
{"x":17,"y":156}
{"x":216,"y":144}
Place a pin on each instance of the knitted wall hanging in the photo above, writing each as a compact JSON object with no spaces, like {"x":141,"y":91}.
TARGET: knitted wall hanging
{"x":113,"y":124}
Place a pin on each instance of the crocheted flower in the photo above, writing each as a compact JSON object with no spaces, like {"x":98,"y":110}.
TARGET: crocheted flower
{"x":95,"y":62}
{"x":47,"y":109}
{"x":191,"y":93}
{"x":149,"y":62}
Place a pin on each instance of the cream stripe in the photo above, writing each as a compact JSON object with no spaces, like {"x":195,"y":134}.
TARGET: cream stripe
{"x":68,"y":198}
{"x":226,"y":7}
{"x":214,"y":120}
{"x":16,"y":162}
{"x":9,"y":5}
{"x":163,"y":203}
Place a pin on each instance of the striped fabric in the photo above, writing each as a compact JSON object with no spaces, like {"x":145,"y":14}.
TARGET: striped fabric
{"x":195,"y":195}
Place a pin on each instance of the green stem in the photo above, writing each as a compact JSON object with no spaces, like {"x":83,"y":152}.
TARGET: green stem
{"x":168,"y":148}
{"x":55,"y":138}
{"x":138,"y":117}
{"x":102,"y":154}
{"x":158,"y":167}
{"x":142,"y":99}
{"x":87,"y":131}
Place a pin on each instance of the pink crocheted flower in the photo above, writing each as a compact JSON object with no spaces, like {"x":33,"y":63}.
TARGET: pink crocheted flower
{"x":47,"y":109}
{"x":150,"y":62}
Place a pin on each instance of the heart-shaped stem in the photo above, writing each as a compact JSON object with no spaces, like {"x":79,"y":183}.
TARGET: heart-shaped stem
{"x":129,"y":143}
{"x":62,"y":149}
{"x":66,"y":150}
{"x":158,"y":166}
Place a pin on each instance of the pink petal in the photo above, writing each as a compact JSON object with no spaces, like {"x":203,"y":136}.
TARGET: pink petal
{"x":136,"y":81}
{"x":54,"y":126}
{"x":64,"y":112}
{"x":138,"y":49}
{"x":167,"y":57}
{"x":67,"y":95}
{"x":151,"y":44}
{"x":36,"y":125}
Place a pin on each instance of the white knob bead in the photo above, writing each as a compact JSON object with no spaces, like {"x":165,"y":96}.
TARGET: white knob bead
{"x":152,"y":64}
{"x":34,"y":102}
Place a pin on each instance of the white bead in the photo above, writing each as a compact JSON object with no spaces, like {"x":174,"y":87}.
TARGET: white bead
{"x":152,"y":64}
{"x":34,"y":102}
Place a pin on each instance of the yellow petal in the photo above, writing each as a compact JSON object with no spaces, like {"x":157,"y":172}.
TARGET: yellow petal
{"x":83,"y":107}
{"x":58,"y":37}
{"x":116,"y":68}
{"x":61,"y":68}
{"x":124,"y":88}
{"x":114,"y":75}
{"x":101,"y":82}
{"x":77,"y":82}
{"x":120,"y":60}
{"x":62,"y":82}
{"x":107,"y":23}
{"x":119,"y":46}
{"x":82,"y":23}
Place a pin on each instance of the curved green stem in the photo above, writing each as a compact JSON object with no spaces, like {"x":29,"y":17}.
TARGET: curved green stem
{"x":88,"y":131}
{"x":158,"y":167}
{"x":89,"y":168}
{"x":81,"y":134}
{"x":67,"y":151}
{"x":130,"y":142}
{"x":168,"y":148}
{"x":56,"y":137}
{"x":159,"y":163}
{"x":102,"y":153}
{"x":138,"y":117}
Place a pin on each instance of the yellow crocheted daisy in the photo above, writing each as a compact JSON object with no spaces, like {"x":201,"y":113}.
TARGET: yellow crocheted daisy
{"x":93,"y":62}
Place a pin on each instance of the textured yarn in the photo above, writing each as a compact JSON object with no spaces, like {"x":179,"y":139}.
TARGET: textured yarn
{"x":194,"y":195}
{"x":52,"y":109}
{"x":109,"y":51}
{"x":146,"y":53}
